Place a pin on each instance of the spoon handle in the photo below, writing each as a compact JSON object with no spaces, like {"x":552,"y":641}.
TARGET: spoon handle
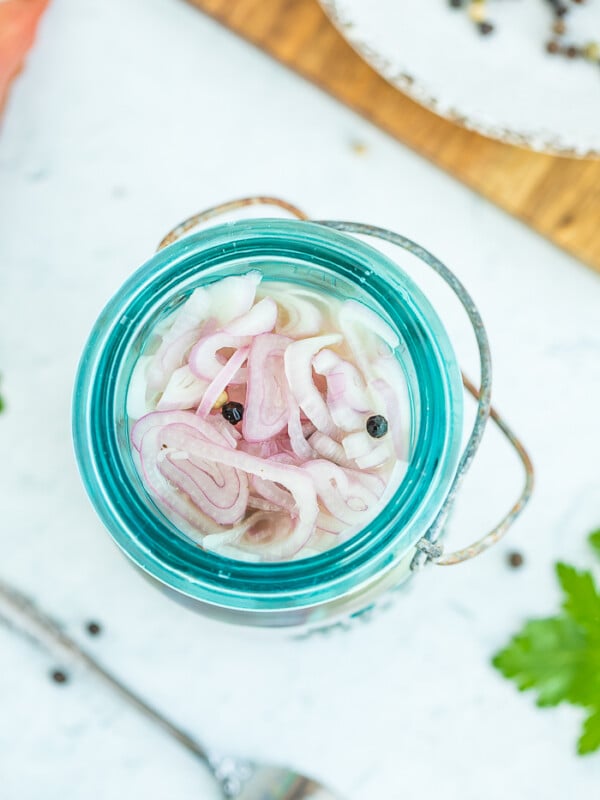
{"x":23,"y":615}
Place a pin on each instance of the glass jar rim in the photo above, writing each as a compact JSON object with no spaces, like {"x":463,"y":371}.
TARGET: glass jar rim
{"x":101,"y":443}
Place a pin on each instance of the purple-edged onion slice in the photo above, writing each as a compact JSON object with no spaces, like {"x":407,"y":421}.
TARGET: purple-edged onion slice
{"x":266,"y":412}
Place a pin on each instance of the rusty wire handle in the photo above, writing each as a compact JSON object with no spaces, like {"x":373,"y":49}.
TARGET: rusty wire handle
{"x":428,"y":548}
{"x":500,"y":529}
{"x":223,"y":208}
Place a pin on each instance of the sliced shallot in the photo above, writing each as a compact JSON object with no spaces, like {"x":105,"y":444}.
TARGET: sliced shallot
{"x":275,"y":494}
{"x":185,"y":439}
{"x":184,"y":390}
{"x":298,"y":442}
{"x":329,"y":449}
{"x":302,"y":317}
{"x":160,"y":419}
{"x":390,"y":385}
{"x":353,"y":313}
{"x":252,"y":409}
{"x":233,"y":296}
{"x":180,"y":504}
{"x":266,"y":412}
{"x":260,"y":319}
{"x":219,"y":491}
{"x":347,"y":396}
{"x":265,"y":533}
{"x":137,"y":391}
{"x":204,"y":361}
{"x":358,"y":444}
{"x":343,"y":492}
{"x":189,"y":316}
{"x":220,"y":382}
{"x":298,"y":369}
{"x":171,"y":355}
{"x":377,"y":456}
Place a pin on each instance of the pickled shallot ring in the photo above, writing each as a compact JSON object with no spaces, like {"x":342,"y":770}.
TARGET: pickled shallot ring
{"x":221,"y":381}
{"x":189,"y":316}
{"x":160,"y":419}
{"x":378,"y":455}
{"x":184,"y":331}
{"x":221,"y":494}
{"x":391,"y":388}
{"x":137,"y":392}
{"x":230,"y":435}
{"x":183,"y":391}
{"x":357,"y":444}
{"x":214,"y":541}
{"x":261,"y":318}
{"x":329,"y":449}
{"x":270,"y":491}
{"x":233,"y":296}
{"x":174,"y":500}
{"x":169,"y":357}
{"x":353,"y":312}
{"x":277,"y":526}
{"x":330,"y":524}
{"x":297,"y":439}
{"x":298,"y":369}
{"x":342,"y":492}
{"x":266,"y":411}
{"x":303,"y":318}
{"x":260,"y":449}
{"x":203,"y":359}
{"x":262,"y":476}
{"x":183,"y":437}
{"x":347,"y":396}
{"x":260,"y":504}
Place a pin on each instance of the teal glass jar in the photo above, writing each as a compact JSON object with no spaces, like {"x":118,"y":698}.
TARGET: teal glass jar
{"x":309,"y":591}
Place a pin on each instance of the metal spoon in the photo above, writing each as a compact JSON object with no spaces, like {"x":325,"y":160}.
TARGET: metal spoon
{"x":243,"y":780}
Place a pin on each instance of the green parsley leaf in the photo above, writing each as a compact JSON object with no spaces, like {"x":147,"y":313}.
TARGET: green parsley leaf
{"x":594,"y":540}
{"x":548,"y":655}
{"x":590,"y":736}
{"x":582,"y":601}
{"x":559,"y":657}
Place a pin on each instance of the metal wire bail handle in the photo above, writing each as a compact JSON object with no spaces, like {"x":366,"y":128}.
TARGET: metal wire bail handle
{"x":428,"y":547}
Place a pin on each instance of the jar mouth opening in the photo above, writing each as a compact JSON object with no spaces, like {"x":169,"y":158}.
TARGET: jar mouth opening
{"x":295,"y":251}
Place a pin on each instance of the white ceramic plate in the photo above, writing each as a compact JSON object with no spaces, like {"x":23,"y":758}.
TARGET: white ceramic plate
{"x":503,"y":85}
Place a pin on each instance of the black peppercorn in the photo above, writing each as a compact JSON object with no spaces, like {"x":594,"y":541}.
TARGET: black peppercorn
{"x":58,"y":676}
{"x":93,"y":628}
{"x":515,"y":559}
{"x":233,"y":412}
{"x":377,"y":426}
{"x":552,"y":46}
{"x":485,"y":28}
{"x":572,"y":52}
{"x":560,"y":9}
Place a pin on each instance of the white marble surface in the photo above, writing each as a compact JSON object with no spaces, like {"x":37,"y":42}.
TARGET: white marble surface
{"x":129,"y":117}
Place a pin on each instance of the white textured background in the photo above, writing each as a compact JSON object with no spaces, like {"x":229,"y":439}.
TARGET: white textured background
{"x":129,"y":117}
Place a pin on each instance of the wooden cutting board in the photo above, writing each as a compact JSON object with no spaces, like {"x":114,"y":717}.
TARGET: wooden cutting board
{"x":558,"y":197}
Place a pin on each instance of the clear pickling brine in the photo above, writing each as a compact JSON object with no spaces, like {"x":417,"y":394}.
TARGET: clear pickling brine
{"x":270,"y":421}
